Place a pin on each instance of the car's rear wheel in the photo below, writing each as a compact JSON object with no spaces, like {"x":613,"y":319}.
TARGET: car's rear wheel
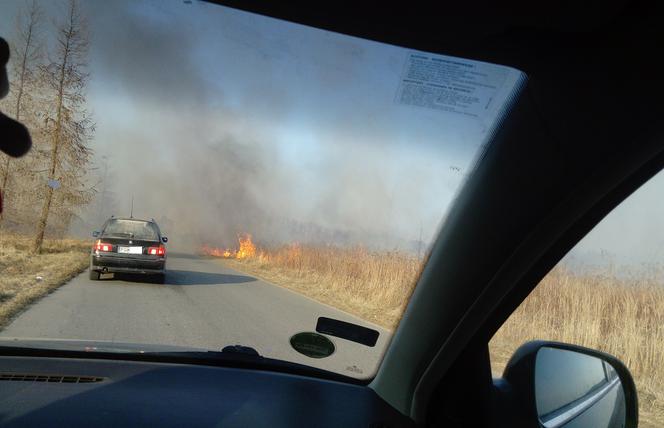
{"x":159,"y":278}
{"x":94,"y":275}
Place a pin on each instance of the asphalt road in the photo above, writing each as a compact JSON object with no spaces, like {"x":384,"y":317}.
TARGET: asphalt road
{"x":202,"y":304}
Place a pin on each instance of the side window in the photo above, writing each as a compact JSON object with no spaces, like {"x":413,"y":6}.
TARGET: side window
{"x":607,"y":293}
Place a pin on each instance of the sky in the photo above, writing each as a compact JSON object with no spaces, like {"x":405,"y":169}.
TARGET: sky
{"x":220,"y":122}
{"x":632,"y":235}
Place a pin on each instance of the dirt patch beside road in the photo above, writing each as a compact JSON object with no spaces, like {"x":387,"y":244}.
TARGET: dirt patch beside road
{"x":26,"y":277}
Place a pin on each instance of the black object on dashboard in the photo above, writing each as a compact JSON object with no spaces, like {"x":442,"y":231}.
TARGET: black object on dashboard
{"x":4,"y":59}
{"x":15,"y":139}
{"x":348,"y":331}
{"x":240,"y":349}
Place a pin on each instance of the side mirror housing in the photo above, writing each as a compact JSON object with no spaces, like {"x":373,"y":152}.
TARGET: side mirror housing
{"x":556,"y":385}
{"x":164,"y":239}
{"x":96,"y":233}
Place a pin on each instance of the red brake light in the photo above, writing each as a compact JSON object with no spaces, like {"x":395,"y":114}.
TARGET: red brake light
{"x":102,"y":246}
{"x":157,"y":251}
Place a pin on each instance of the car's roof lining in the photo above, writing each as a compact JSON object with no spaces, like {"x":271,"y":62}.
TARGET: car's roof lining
{"x":501,"y":32}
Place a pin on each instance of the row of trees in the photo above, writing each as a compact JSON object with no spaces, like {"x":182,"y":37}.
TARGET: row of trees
{"x":48,"y":77}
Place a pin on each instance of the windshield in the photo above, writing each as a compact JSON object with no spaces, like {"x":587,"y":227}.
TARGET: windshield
{"x":132,"y":229}
{"x":300,"y":175}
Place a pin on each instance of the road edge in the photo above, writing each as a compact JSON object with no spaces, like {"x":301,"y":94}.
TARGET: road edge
{"x":23,"y":301}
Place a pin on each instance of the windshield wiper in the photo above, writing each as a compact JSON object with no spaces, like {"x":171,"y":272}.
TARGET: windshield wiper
{"x":231,"y":353}
{"x":240,"y":356}
{"x":235,"y":356}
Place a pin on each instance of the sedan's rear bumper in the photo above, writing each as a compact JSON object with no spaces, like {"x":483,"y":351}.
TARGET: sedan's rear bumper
{"x":125,"y":263}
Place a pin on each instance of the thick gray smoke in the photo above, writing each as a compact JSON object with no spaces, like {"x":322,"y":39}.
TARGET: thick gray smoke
{"x":166,"y":152}
{"x":208,"y":167}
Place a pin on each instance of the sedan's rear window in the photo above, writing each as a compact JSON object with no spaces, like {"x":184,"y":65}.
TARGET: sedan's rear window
{"x":131,"y":229}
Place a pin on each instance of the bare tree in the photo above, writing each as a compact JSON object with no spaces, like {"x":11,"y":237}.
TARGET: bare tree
{"x":27,"y":55}
{"x":69,"y":124}
{"x":106,"y":198}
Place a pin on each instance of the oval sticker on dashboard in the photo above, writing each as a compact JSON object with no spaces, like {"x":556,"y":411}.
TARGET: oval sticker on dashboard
{"x":312,"y":345}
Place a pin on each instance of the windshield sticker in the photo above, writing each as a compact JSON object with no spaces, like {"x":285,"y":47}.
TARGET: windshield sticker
{"x":450,"y":84}
{"x":312,"y":345}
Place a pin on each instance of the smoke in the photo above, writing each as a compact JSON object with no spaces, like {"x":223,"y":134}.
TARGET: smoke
{"x":277,"y":161}
{"x":147,"y":56}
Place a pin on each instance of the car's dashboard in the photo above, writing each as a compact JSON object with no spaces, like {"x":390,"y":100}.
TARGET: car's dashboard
{"x":36,"y":391}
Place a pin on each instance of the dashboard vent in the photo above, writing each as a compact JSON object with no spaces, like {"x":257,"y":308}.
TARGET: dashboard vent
{"x":17,"y":377}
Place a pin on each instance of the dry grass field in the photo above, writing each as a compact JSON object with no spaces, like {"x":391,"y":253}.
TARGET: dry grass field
{"x":374,"y":286}
{"x":624,"y":317}
{"x":26,"y":277}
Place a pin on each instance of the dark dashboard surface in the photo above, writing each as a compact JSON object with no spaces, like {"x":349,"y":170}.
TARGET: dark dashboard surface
{"x":133,"y":393}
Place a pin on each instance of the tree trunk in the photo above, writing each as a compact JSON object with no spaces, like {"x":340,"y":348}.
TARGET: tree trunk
{"x":5,"y":177}
{"x":43,"y":219}
{"x":67,"y":76}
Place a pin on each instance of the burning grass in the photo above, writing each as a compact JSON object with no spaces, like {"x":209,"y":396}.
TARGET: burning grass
{"x":246,"y":249}
{"x":25,"y":277}
{"x":373,"y":285}
{"x":624,"y":317}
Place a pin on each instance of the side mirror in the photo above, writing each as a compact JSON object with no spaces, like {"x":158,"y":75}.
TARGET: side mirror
{"x":96,"y":233}
{"x":555,"y":385}
{"x":164,"y":239}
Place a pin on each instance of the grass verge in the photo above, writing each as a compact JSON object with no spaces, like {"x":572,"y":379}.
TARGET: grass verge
{"x":26,"y":277}
{"x":374,"y":286}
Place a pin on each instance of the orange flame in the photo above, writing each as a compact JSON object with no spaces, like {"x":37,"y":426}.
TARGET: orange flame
{"x":247,"y":249}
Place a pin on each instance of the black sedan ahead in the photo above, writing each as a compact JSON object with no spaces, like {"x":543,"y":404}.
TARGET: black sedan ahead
{"x":129,"y":245}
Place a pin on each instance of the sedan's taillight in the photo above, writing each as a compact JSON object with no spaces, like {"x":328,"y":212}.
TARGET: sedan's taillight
{"x":102,"y":246}
{"x":157,"y":251}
